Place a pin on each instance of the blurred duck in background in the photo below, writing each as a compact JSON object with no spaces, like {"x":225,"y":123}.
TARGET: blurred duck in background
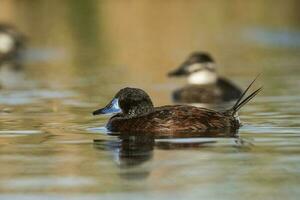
{"x":204,"y":84}
{"x":12,"y":44}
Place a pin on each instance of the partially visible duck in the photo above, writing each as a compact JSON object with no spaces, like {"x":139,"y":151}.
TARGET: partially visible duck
{"x":204,"y":84}
{"x":11,"y":43}
{"x":11,"y":47}
{"x":134,"y":112}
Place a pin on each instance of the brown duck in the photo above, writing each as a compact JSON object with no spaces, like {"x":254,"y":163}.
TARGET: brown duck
{"x":135,"y":113}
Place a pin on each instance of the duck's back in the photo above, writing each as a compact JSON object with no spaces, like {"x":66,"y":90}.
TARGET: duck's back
{"x":179,"y":118}
{"x":229,"y":90}
{"x":197,"y":94}
{"x":222,"y":91}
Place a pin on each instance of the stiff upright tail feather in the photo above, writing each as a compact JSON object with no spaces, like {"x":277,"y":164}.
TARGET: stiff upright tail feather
{"x":242,"y":101}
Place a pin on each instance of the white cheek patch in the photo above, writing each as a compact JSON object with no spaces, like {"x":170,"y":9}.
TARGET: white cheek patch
{"x":195,"y":67}
{"x":202,"y":77}
{"x":6,"y":43}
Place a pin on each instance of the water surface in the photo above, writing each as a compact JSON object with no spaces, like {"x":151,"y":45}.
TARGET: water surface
{"x":51,"y":147}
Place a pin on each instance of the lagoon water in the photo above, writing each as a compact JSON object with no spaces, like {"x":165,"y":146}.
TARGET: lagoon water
{"x":81,"y":53}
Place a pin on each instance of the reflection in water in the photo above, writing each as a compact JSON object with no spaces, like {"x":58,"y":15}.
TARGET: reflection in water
{"x":194,"y":140}
{"x":131,"y":150}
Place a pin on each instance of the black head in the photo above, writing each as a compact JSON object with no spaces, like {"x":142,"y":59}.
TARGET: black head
{"x":203,"y":59}
{"x":128,"y":101}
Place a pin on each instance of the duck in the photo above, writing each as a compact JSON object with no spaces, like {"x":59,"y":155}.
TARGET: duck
{"x":133,"y":111}
{"x":11,"y":43}
{"x":204,"y":83}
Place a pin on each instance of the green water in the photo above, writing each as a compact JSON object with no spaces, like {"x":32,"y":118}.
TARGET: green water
{"x":80,"y":53}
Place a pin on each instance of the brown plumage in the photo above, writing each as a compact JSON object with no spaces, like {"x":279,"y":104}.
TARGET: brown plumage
{"x":137,"y":114}
{"x":222,"y":91}
{"x":178,"y":118}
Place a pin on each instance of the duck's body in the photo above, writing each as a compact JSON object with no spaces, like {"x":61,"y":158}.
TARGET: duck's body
{"x":221,"y":91}
{"x":171,"y":119}
{"x":136,"y":113}
{"x":204,"y":84}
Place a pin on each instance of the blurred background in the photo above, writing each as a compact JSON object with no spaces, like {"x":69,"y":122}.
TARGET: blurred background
{"x":79,"y":53}
{"x":138,"y":42}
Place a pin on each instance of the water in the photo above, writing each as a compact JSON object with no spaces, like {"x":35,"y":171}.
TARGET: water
{"x":51,"y":147}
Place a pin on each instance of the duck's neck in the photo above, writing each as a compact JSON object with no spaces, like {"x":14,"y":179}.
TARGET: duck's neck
{"x":203,"y":77}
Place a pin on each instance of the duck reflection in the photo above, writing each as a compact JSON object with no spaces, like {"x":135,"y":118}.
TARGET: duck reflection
{"x":131,"y":151}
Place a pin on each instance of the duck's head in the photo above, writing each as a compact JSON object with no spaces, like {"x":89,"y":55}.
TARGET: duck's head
{"x":128,"y":101}
{"x":199,"y":68}
{"x":10,"y":40}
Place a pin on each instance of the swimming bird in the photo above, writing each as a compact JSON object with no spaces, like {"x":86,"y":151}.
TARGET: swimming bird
{"x":204,"y":84}
{"x":11,"y":43}
{"x":134,"y":112}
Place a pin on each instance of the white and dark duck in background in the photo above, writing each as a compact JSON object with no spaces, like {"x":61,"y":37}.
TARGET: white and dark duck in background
{"x":204,"y":83}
